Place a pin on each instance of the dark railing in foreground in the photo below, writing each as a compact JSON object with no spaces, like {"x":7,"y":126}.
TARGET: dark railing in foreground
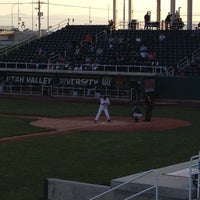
{"x":154,"y":69}
{"x":132,"y":180}
{"x":64,"y":91}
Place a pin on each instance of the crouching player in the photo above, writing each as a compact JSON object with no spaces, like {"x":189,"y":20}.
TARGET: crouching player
{"x":136,"y":113}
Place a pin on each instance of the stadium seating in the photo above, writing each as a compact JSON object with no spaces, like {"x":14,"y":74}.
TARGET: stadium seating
{"x":178,"y":44}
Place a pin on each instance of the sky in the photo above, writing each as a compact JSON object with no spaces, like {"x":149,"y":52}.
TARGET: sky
{"x":83,"y":11}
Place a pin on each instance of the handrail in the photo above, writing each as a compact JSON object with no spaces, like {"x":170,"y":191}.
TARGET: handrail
{"x":196,"y":55}
{"x":16,"y":46}
{"x":85,"y":67}
{"x":194,"y":166}
{"x":131,"y":180}
{"x":53,"y":59}
{"x":100,"y":34}
{"x":182,"y":63}
{"x":58,"y":25}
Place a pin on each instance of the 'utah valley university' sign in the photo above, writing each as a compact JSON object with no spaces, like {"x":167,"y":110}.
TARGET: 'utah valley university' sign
{"x":97,"y":81}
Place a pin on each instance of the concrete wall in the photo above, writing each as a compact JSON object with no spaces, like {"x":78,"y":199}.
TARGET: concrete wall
{"x":56,"y":189}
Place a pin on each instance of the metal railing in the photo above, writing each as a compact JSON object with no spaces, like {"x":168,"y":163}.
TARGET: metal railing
{"x":56,"y":67}
{"x":196,"y":55}
{"x":183,"y":63}
{"x":194,"y":169}
{"x":5,"y":51}
{"x":155,"y":186}
{"x":63,"y":91}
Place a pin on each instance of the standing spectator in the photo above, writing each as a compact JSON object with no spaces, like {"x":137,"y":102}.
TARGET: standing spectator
{"x":167,"y":21}
{"x":111,"y":27}
{"x":147,"y":19}
{"x":148,"y":106}
{"x":104,"y":104}
{"x":199,"y":25}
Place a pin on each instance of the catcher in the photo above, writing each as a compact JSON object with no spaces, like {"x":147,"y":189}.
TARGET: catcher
{"x":104,"y":104}
{"x":136,"y":113}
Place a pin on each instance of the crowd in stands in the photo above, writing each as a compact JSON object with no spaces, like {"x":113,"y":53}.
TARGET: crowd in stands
{"x":114,"y":47}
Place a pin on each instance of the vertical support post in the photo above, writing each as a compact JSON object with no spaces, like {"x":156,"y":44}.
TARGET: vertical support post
{"x":189,"y":14}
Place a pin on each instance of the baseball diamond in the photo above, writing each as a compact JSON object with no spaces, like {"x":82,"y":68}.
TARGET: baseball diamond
{"x":70,"y":125}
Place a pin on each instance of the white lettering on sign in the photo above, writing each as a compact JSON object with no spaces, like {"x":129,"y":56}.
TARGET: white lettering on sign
{"x":78,"y":81}
{"x":30,"y":79}
{"x":43,"y":80}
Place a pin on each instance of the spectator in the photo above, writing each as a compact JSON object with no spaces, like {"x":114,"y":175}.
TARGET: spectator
{"x":151,"y":56}
{"x":162,"y":37}
{"x":143,"y":48}
{"x":167,"y":21}
{"x":99,"y":54}
{"x":147,"y":19}
{"x":88,"y":39}
{"x":138,"y":39}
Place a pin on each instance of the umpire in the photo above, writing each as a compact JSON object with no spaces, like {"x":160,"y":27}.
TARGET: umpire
{"x":148,"y":107}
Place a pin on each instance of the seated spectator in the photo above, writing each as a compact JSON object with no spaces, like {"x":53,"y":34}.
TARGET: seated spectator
{"x":162,"y":37}
{"x":99,"y":54}
{"x":143,"y":47}
{"x":77,"y":50}
{"x":87,"y":60}
{"x":138,"y":39}
{"x":61,"y":58}
{"x":88,"y":39}
{"x":78,"y":68}
{"x":143,"y":55}
{"x":99,"y":51}
{"x":151,"y":56}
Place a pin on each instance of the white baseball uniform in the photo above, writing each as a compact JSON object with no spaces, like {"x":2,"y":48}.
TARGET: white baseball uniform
{"x":104,"y":103}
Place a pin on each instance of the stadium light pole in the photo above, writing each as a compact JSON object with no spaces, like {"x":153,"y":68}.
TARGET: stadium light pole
{"x":12,"y":14}
{"x":90,"y":21}
{"x":179,"y":11}
{"x":12,"y":5}
{"x":108,"y":12}
{"x":48,"y":16}
{"x":32,"y":15}
{"x":18,"y":15}
{"x":124,"y":15}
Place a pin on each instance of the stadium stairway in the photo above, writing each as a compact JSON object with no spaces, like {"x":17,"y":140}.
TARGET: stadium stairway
{"x":173,"y":184}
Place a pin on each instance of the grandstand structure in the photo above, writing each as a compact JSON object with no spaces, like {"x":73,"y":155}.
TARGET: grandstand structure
{"x":86,"y":61}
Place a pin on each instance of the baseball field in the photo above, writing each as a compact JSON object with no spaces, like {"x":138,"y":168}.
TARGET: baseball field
{"x":42,"y":138}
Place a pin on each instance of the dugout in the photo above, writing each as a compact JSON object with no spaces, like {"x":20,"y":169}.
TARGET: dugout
{"x":118,"y":86}
{"x":126,"y":86}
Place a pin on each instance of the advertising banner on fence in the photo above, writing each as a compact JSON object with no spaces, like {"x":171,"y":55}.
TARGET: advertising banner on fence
{"x":149,"y":85}
{"x":92,"y":81}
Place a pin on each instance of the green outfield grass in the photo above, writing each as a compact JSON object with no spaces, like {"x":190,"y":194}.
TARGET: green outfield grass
{"x":93,"y":157}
